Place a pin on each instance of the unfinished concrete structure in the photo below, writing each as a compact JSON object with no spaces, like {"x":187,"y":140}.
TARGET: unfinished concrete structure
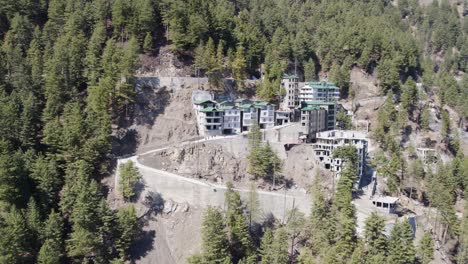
{"x":427,"y":155}
{"x":328,"y":141}
{"x":385,"y":204}
{"x":290,"y":85}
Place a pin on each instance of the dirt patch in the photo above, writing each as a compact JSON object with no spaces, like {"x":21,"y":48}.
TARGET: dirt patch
{"x":222,"y":162}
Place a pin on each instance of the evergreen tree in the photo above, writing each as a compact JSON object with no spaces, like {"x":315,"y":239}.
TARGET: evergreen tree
{"x":214,"y":237}
{"x":373,"y":232}
{"x":239,"y":67}
{"x":425,"y":119}
{"x":400,"y":244}
{"x":129,"y":176}
{"x":49,"y":253}
{"x":426,"y":249}
{"x":148,"y":43}
{"x":127,"y":227}
{"x":266,"y":247}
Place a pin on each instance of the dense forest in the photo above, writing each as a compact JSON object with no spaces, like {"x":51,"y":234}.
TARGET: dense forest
{"x":67,"y":74}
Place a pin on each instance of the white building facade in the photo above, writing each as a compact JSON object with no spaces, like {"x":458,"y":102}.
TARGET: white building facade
{"x":319,"y":91}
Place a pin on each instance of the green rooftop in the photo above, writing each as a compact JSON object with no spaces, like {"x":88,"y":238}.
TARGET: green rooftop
{"x":240,"y":100}
{"x":210,"y":109}
{"x":323,"y":85}
{"x":310,"y":108}
{"x":260,"y":103}
{"x":227,"y":107}
{"x":293,"y":76}
{"x":319,"y":102}
{"x":245,"y":106}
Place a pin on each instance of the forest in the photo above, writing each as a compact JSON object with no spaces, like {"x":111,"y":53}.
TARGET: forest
{"x":67,"y":77}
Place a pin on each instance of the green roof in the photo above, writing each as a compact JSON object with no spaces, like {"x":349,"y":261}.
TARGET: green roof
{"x":260,"y":103}
{"x":319,"y":102}
{"x":240,"y":100}
{"x":227,"y":107}
{"x":204,"y":102}
{"x":326,"y":85}
{"x":211,"y":109}
{"x":310,"y":108}
{"x":245,"y":106}
{"x":293,"y":76}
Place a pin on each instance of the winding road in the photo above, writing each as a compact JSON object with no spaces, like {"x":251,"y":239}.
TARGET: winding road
{"x":202,"y":193}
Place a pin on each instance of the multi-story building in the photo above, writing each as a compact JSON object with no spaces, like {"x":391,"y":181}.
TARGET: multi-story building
{"x":232,"y":120}
{"x":210,"y":121}
{"x":328,"y":141}
{"x":266,"y":114}
{"x":283,"y":117}
{"x":319,"y":91}
{"x":249,"y":116}
{"x":290,"y":85}
{"x":313,"y":120}
{"x":329,"y":107}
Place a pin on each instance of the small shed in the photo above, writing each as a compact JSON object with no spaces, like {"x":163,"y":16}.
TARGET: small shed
{"x":386,"y":203}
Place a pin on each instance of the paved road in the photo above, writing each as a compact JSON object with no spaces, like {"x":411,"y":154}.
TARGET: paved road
{"x":201,"y":193}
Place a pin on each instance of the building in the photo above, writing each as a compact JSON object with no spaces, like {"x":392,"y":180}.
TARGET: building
{"x":249,"y":115}
{"x":328,"y":141}
{"x":266,"y":111}
{"x":283,"y":117}
{"x":427,"y":155}
{"x":313,"y":120}
{"x":290,"y":86}
{"x":319,"y":91}
{"x":330,"y":107}
{"x":210,"y":121}
{"x":386,"y":204}
{"x":232,"y":120}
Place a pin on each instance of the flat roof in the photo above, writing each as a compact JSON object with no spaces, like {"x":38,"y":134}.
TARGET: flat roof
{"x":349,"y":134}
{"x":319,"y":102}
{"x":326,"y":85}
{"x":310,"y":108}
{"x":386,"y":199}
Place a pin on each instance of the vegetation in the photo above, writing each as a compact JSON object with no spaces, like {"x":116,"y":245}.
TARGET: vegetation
{"x":129,"y":176}
{"x":263,"y":161}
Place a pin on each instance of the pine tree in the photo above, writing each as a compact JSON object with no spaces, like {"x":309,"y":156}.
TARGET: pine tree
{"x":46,"y":174}
{"x":129,"y":176}
{"x":280,"y":247}
{"x":239,"y":67}
{"x":426,"y":249}
{"x":400,"y":244}
{"x":373,"y":232}
{"x":239,"y":237}
{"x":320,"y":230}
{"x":266,"y":247}
{"x":214,"y":237}
{"x":15,"y":241}
{"x":127,"y":228}
{"x":49,"y":253}
{"x":425,"y":118}
{"x":148,"y":43}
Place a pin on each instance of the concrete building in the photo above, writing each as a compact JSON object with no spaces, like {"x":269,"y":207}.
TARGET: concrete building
{"x":290,"y":85}
{"x":330,"y":107}
{"x":283,"y":117}
{"x":386,"y":204}
{"x":249,"y":116}
{"x":319,"y":91}
{"x":328,"y":141}
{"x":232,"y":120}
{"x":266,"y":111}
{"x":211,"y":121}
{"x":313,"y":120}
{"x":427,"y":155}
